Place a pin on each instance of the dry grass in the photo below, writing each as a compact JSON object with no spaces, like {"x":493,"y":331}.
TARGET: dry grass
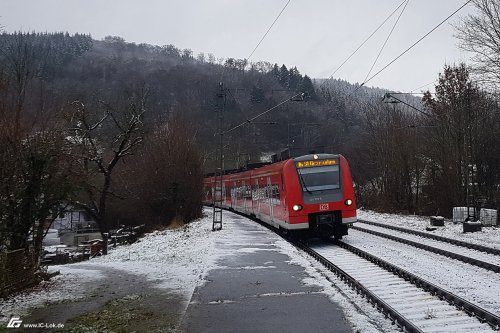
{"x":176,"y":223}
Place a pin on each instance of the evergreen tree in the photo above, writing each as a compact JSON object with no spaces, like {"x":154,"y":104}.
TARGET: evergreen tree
{"x":294,"y":79}
{"x":284,"y":77}
{"x":276,"y":72}
{"x":257,"y":94}
{"x":452,"y":143}
{"x":307,"y":87}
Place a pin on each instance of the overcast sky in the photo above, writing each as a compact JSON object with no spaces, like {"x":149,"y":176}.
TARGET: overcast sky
{"x":315,"y":35}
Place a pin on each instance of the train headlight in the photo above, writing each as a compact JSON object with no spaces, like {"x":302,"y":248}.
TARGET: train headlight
{"x":296,"y":208}
{"x":348,"y":202}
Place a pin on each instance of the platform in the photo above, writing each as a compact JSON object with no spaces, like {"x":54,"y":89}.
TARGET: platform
{"x":256,"y":289}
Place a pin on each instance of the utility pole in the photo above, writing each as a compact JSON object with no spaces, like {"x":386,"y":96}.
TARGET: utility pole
{"x":218,"y":180}
{"x":470,"y":198}
{"x":219,"y":172}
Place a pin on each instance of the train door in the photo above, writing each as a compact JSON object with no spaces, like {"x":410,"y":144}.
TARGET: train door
{"x":224,"y":201}
{"x":282,"y":196}
{"x":238,"y":194}
{"x":243,"y":194}
{"x":255,"y":196}
{"x":248,"y":196}
{"x":270,"y":197}
{"x":233,"y":195}
{"x":259,"y":196}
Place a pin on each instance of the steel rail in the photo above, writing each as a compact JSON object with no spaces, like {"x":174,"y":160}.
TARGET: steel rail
{"x":465,"y":259}
{"x":462,"y":304}
{"x":376,"y":301}
{"x":478,"y":247}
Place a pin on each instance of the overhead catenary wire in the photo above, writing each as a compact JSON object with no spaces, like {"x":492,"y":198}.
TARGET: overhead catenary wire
{"x":412,"y":46}
{"x":411,"y":93}
{"x":366,"y":40}
{"x":275,"y":20}
{"x":387,"y":39}
{"x":217,"y":211}
{"x":250,"y":55}
{"x":262,"y":113}
{"x":255,"y":48}
{"x":262,"y":39}
{"x":247,"y":58}
{"x":391,"y":95}
{"x":424,"y":85}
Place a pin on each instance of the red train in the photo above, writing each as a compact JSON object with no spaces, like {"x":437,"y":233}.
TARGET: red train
{"x":312,"y":193}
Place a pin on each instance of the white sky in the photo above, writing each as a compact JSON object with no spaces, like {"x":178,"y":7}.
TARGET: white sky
{"x":316,"y":35}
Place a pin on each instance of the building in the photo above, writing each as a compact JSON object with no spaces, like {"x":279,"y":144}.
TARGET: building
{"x":75,"y":226}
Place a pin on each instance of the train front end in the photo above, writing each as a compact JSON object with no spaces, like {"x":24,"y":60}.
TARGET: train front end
{"x":322,"y":194}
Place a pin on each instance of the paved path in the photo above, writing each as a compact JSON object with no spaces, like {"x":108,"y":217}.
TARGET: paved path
{"x":259,"y":291}
{"x":254,"y":289}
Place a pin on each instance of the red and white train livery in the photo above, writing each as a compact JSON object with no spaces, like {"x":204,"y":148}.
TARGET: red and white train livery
{"x":308,"y":193}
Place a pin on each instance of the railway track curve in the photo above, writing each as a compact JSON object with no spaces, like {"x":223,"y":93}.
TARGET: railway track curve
{"x":411,"y":302}
{"x":457,"y":242}
{"x":461,"y":257}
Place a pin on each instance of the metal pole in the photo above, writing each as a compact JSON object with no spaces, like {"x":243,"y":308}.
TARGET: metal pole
{"x":219,"y":173}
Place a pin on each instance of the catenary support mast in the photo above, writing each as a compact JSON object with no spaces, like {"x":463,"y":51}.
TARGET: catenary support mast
{"x":219,"y":172}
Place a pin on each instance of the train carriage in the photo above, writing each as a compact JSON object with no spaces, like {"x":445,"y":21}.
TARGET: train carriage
{"x":311,"y":193}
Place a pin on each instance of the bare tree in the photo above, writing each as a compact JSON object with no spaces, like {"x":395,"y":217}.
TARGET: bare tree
{"x":33,"y":163}
{"x":99,"y":143}
{"x":480,"y":34}
{"x":455,"y":111}
{"x":393,"y":159}
{"x":35,"y":183}
{"x":164,"y":182}
{"x":23,"y":57}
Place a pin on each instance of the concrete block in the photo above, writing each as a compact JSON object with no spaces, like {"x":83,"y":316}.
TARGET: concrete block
{"x":472,"y":226}
{"x":437,"y":221}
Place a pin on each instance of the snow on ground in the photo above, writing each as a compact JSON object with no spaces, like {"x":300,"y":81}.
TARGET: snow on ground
{"x":179,"y":259}
{"x":172,"y":259}
{"x":66,"y":286}
{"x":486,"y":257}
{"x":489,"y":236}
{"x":472,"y":283}
{"x":360,"y":314}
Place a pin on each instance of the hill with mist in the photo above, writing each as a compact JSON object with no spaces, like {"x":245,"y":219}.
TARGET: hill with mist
{"x":42,"y":80}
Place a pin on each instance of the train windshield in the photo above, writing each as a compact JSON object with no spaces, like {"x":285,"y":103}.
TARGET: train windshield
{"x":320,"y":178}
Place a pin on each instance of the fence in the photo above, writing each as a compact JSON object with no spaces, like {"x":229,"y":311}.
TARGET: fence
{"x":460,"y":214}
{"x":488,"y":217}
{"x":17,"y":270}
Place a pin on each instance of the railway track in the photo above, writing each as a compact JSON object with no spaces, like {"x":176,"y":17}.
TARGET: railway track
{"x":471,"y":256}
{"x":456,"y":242}
{"x":409,"y":301}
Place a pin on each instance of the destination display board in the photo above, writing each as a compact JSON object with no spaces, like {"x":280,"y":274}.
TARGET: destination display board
{"x":315,"y":163}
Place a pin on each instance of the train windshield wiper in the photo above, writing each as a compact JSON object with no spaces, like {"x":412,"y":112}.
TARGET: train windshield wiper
{"x":303,"y":183}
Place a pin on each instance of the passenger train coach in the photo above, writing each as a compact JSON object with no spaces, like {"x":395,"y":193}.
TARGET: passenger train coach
{"x":311,"y":193}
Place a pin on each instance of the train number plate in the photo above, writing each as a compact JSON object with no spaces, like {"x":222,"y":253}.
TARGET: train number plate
{"x":323,"y":206}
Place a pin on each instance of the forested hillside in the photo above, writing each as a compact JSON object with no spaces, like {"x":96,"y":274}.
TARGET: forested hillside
{"x":126,"y":131}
